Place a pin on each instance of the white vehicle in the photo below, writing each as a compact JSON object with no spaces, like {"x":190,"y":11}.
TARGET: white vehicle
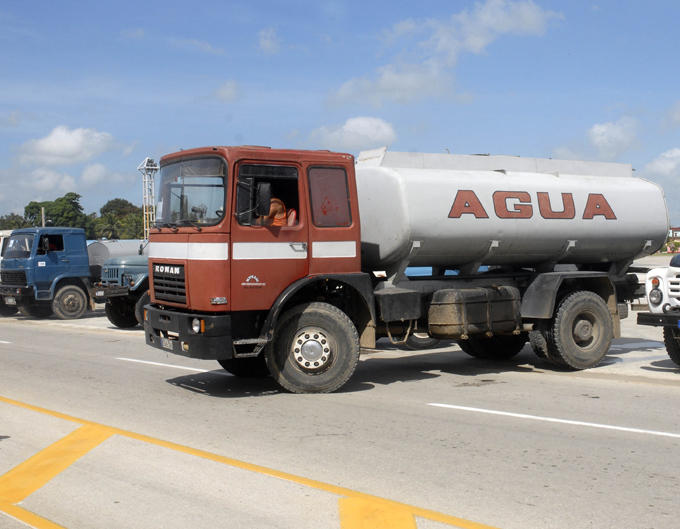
{"x":662,"y":288}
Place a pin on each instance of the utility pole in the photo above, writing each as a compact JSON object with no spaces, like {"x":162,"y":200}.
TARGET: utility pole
{"x":148,"y":168}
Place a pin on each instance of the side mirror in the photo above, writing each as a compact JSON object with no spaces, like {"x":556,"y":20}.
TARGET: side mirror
{"x":264,"y":198}
{"x":45,"y":244}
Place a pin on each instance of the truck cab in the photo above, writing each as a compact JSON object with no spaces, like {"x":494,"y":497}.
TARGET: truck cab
{"x":45,"y":271}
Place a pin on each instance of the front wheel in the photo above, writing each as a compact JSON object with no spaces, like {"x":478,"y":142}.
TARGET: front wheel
{"x":69,"y":303}
{"x":671,"y":335}
{"x":139,"y":307}
{"x":315,"y":349}
{"x":120,"y":315}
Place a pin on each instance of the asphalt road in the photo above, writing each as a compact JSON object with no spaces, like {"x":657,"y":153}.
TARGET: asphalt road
{"x":97,"y":430}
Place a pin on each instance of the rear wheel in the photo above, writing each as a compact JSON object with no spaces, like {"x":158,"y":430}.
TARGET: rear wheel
{"x":671,"y":337}
{"x":498,"y":347}
{"x":69,"y":303}
{"x":5,"y":309}
{"x":540,"y":346}
{"x":40,"y":312}
{"x":581,"y":332}
{"x":120,"y":315}
{"x":254,"y":367}
{"x":418,"y":341}
{"x":315,"y":349}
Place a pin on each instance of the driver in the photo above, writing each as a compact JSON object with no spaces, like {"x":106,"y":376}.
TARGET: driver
{"x":277,"y":214}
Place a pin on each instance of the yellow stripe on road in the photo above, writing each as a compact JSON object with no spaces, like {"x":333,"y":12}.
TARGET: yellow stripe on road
{"x":28,"y":518}
{"x":25,"y":479}
{"x":357,"y":510}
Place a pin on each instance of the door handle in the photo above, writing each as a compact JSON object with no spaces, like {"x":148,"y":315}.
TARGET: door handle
{"x":299,"y":246}
{"x":64,"y":259}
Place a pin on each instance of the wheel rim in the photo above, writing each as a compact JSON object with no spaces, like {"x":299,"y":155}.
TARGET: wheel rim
{"x":312,"y":350}
{"x":72,"y":303}
{"x":586,"y":330}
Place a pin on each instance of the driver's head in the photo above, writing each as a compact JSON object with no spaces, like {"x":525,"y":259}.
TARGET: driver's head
{"x":276,"y":208}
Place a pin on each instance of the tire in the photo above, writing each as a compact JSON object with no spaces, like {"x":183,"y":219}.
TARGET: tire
{"x":466,"y":347}
{"x":39,"y":312}
{"x":116,"y":313}
{"x":581,"y":331}
{"x":255,"y":367}
{"x":539,"y":344}
{"x":421,"y":340}
{"x":69,"y":303}
{"x":5,"y":309}
{"x":498,"y":347}
{"x":139,"y":307}
{"x":315,"y":349}
{"x":671,"y":335}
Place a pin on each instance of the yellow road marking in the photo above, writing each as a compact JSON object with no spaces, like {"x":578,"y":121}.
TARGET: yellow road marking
{"x":24,"y":479}
{"x":376,"y":502}
{"x":361,"y":514}
{"x":27,"y":517}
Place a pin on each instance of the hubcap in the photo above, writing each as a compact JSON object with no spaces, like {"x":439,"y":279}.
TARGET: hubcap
{"x":71,"y":303}
{"x":311,"y":349}
{"x":583,"y":331}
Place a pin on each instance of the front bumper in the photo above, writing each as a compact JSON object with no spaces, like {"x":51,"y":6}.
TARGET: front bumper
{"x":658,"y":320}
{"x":20,"y":295}
{"x":103,"y":292}
{"x":171,"y":331}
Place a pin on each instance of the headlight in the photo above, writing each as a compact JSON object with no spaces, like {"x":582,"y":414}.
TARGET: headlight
{"x":196,"y":325}
{"x":655,"y":296}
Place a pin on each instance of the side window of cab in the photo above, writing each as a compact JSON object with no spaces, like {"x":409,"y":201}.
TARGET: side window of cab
{"x":284,"y":200}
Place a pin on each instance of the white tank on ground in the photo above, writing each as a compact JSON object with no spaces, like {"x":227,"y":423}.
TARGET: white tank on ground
{"x":498,"y":210}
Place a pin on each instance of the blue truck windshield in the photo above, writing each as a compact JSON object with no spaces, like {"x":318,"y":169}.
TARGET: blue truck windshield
{"x":192,"y":193}
{"x":19,"y":247}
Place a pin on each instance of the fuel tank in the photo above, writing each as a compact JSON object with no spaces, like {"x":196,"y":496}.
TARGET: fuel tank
{"x":503,"y":210}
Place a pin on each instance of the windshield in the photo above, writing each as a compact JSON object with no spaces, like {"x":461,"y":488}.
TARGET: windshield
{"x":18,"y":247}
{"x":191,"y":193}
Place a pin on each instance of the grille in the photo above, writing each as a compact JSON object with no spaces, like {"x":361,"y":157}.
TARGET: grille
{"x":110,"y":275}
{"x":13,"y":278}
{"x":169,"y":284}
{"x":674,"y":287}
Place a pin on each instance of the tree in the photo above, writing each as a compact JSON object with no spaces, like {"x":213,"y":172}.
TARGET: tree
{"x":13,"y":222}
{"x":120,"y":207}
{"x":64,"y":211}
{"x":132,"y":226}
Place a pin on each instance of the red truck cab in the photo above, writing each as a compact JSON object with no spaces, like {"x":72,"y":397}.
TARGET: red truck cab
{"x":221,"y":273}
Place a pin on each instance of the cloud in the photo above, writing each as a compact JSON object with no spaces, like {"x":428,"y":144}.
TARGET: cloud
{"x":429,"y":50}
{"x":613,"y":139}
{"x":97,"y":173}
{"x":46,"y":180}
{"x":229,"y":91}
{"x":64,"y":146}
{"x":665,"y":164}
{"x":12,"y":119}
{"x":269,"y":42}
{"x":196,"y":45}
{"x":133,"y":34}
{"x":356,"y":134}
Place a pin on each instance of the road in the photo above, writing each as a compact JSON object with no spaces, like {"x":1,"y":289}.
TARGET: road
{"x":99,"y":430}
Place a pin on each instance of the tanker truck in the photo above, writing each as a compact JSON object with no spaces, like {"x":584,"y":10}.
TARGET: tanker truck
{"x":49,"y":270}
{"x":288,"y":262}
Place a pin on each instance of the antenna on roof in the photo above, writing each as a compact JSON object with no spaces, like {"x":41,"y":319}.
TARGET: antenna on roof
{"x":148,"y":168}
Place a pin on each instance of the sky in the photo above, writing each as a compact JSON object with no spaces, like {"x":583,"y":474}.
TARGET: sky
{"x":88,"y":90}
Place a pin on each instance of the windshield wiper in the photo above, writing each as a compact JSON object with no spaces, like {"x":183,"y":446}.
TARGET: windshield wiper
{"x":191,"y":223}
{"x":159,"y":225}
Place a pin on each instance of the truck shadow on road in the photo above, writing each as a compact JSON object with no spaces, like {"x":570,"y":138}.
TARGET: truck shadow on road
{"x":396,"y":366}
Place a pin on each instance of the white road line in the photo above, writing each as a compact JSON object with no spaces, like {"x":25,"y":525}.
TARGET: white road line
{"x":550,"y":419}
{"x":176,"y":367}
{"x":641,"y":345}
{"x":4,"y":342}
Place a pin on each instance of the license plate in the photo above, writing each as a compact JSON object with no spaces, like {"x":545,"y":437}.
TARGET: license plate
{"x":10,"y":301}
{"x":166,"y":343}
{"x":99,"y":293}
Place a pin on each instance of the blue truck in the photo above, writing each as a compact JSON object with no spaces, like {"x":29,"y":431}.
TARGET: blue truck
{"x":124,"y":286}
{"x":52,"y":270}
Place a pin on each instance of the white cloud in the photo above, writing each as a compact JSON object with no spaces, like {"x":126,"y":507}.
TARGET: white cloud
{"x":665,"y":164}
{"x":356,"y":134}
{"x":269,"y":42}
{"x":200,"y":46}
{"x":46,"y":180}
{"x":430,"y":49}
{"x":64,"y":146}
{"x":229,"y":91}
{"x":613,"y":139}
{"x":96,"y":174}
